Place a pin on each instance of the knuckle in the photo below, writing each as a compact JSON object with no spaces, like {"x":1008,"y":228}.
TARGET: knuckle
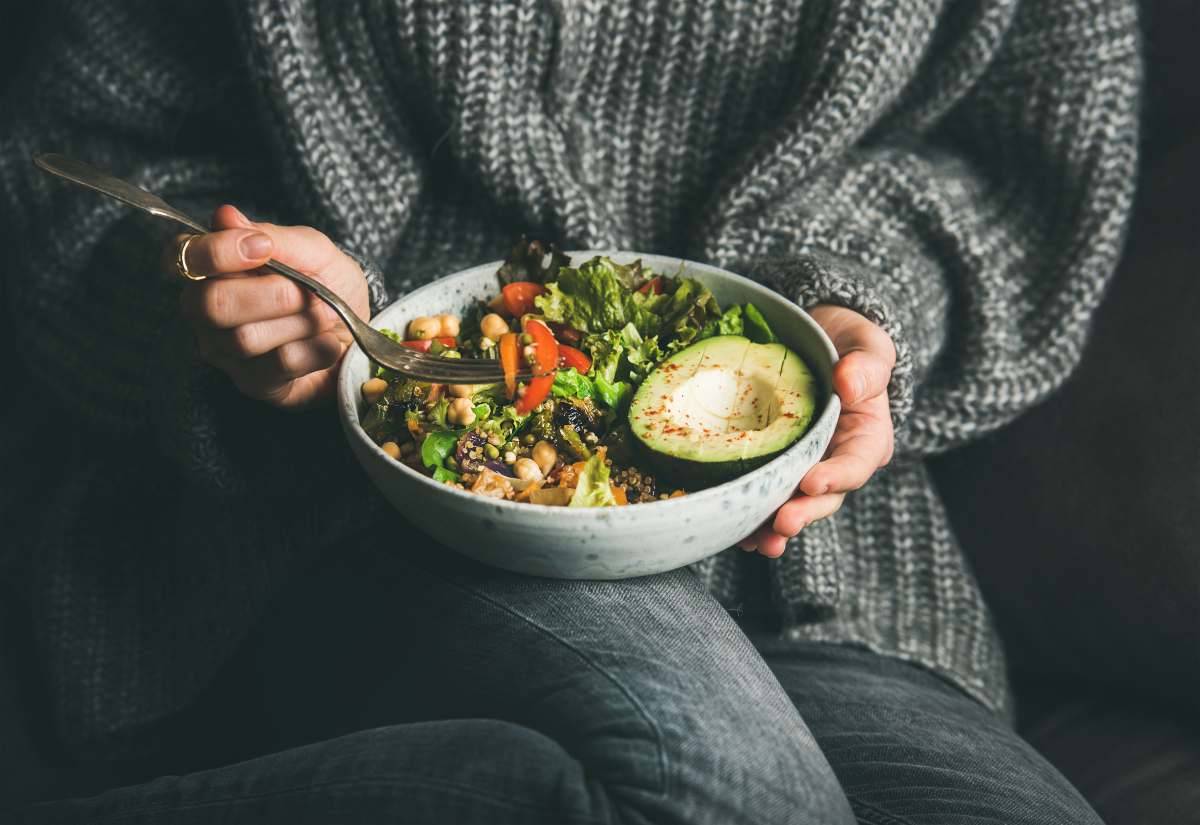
{"x":310,"y":235}
{"x":289,"y":361}
{"x":217,"y":305}
{"x":245,"y":339}
{"x":283,"y":295}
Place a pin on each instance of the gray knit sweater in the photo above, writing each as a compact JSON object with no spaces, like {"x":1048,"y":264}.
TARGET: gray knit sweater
{"x":960,"y":172}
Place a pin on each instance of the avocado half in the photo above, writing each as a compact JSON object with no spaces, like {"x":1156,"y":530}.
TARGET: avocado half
{"x":722,"y":407}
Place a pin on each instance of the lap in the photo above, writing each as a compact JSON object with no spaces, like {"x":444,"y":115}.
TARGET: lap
{"x":908,"y":747}
{"x":638,"y":700}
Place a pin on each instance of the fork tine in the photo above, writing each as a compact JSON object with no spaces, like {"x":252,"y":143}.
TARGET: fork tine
{"x":446,"y":370}
{"x":425,"y":367}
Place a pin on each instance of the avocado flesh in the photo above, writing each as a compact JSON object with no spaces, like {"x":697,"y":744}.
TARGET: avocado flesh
{"x":722,"y":407}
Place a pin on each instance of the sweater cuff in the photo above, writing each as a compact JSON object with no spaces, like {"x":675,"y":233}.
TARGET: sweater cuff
{"x":824,"y":278}
{"x":376,"y":284}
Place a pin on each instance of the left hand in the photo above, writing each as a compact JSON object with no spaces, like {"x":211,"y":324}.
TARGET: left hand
{"x":862,"y":442}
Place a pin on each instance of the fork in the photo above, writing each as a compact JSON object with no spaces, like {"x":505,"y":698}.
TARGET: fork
{"x":377,"y":346}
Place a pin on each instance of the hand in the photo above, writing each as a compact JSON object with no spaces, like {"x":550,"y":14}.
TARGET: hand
{"x":862,"y":442}
{"x":277,"y":341}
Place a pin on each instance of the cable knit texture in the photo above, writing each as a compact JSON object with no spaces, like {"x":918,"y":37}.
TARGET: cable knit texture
{"x":959,"y":172}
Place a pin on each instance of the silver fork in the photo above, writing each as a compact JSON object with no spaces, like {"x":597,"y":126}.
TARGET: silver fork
{"x":378,"y":347}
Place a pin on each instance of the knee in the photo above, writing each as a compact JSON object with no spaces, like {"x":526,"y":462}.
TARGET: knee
{"x":715,"y":756}
{"x":747,"y":760}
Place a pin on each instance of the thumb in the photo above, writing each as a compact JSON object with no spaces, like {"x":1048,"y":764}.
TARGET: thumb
{"x":230,"y":217}
{"x":860,"y":375}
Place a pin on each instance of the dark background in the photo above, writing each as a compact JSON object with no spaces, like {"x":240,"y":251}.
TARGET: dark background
{"x":1082,"y":518}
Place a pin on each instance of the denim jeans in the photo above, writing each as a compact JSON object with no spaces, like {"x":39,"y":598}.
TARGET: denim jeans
{"x":433,"y":690}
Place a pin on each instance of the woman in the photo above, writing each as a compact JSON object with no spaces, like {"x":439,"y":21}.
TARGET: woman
{"x":946,"y":187}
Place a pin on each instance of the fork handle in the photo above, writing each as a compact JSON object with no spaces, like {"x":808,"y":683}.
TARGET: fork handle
{"x":84,"y":174}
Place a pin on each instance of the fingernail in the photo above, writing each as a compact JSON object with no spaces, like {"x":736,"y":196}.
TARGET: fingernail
{"x":241,"y":216}
{"x":255,"y":245}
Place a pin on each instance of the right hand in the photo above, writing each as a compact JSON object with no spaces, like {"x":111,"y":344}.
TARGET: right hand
{"x":277,"y":341}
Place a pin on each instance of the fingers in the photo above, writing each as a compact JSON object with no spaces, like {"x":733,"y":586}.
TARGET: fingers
{"x":802,"y":511}
{"x":225,"y":303}
{"x":229,"y":251}
{"x":862,"y":444}
{"x":771,"y":539}
{"x":861,"y":375}
{"x":260,"y":337}
{"x":867,"y":353}
{"x":852,"y":332}
{"x":268,"y":377}
{"x":303,"y":247}
{"x":863,"y":441}
{"x":770,"y":544}
{"x":766,"y":541}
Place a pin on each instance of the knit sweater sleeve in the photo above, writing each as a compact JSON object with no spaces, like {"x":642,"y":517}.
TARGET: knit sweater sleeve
{"x":155,"y":94}
{"x":978,"y":221}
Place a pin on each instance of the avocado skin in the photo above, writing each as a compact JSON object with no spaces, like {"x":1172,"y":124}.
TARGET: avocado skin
{"x":682,"y":473}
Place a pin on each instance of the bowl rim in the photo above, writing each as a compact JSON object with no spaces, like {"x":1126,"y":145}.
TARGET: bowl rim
{"x":348,"y":408}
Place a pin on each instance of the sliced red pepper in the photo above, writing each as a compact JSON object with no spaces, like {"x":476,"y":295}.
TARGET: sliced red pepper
{"x":519,"y":295}
{"x":565,"y":333}
{"x":423,"y":345}
{"x":545,"y":362}
{"x":510,"y":360}
{"x":653,"y":285}
{"x":570,"y":357}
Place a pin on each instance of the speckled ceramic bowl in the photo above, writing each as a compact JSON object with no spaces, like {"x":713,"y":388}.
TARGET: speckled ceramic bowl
{"x":600,"y":543}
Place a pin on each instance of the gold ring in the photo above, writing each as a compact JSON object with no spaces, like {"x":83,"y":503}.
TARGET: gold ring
{"x":181,"y":260}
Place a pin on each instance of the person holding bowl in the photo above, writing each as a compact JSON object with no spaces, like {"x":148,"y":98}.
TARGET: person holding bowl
{"x":230,"y":623}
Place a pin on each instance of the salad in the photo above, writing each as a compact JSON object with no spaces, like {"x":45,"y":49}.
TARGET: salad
{"x":645,"y":388}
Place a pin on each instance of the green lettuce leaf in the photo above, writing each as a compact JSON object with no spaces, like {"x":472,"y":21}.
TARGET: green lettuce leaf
{"x":729,"y":323}
{"x":642,"y":354}
{"x":569,"y":383}
{"x":605,"y":350}
{"x":613,"y":394}
{"x":592,"y":489}
{"x":622,"y":356}
{"x":442,"y":474}
{"x":757,"y":328}
{"x":437,"y":446}
{"x":692,"y":306}
{"x":596,"y":297}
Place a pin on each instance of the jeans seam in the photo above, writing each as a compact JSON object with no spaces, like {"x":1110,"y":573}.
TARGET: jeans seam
{"x":876,"y":816}
{"x":142,"y":810}
{"x":660,"y":751}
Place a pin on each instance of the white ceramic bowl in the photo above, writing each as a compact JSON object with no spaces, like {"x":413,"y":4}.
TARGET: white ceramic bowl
{"x":604,"y":542}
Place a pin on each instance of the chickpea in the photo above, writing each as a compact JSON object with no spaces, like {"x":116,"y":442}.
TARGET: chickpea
{"x":391,"y":448}
{"x":449,"y":325}
{"x":462,"y":390}
{"x":493,"y":326}
{"x":373,"y":389}
{"x":527,"y":469}
{"x":461,"y":411}
{"x":424,"y":328}
{"x":544,"y":455}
